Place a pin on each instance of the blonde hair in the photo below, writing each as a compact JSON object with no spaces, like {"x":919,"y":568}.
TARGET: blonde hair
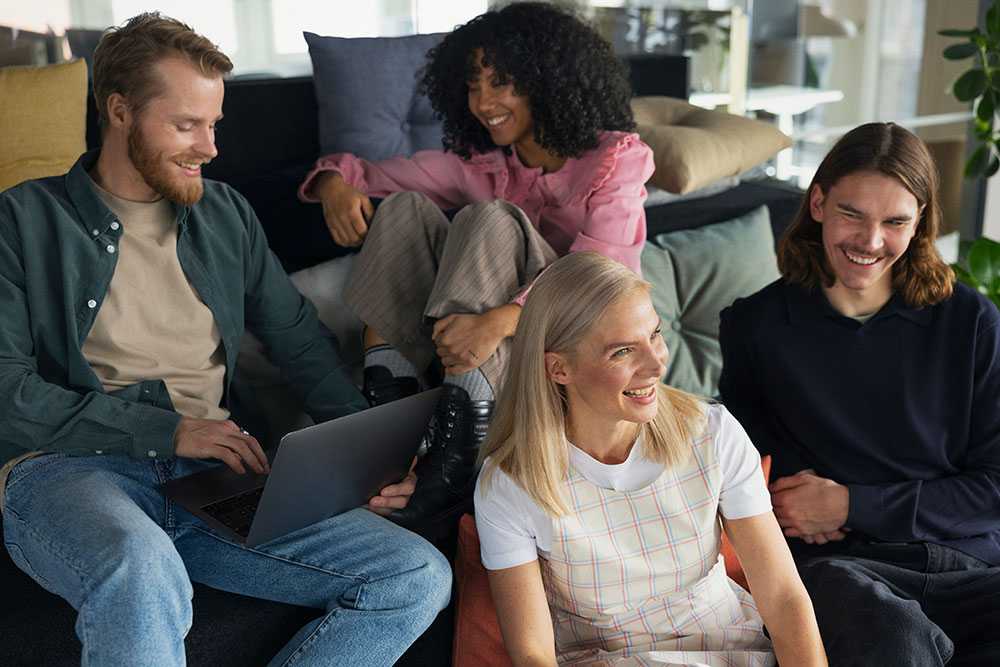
{"x":527,"y":437}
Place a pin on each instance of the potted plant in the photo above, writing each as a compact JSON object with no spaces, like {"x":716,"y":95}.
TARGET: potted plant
{"x":980,"y":85}
{"x":980,"y":268}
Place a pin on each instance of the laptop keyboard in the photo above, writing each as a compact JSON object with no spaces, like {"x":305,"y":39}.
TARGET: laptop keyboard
{"x":236,"y":513}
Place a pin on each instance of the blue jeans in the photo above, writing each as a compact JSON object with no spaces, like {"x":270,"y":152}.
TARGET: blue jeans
{"x":96,"y":532}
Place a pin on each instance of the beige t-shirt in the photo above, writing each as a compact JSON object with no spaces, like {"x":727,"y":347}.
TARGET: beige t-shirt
{"x":152,"y":323}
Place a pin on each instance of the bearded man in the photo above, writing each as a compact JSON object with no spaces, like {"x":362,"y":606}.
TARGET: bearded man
{"x":125,"y":287}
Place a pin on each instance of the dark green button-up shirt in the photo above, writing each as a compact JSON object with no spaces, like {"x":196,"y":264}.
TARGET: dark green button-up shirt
{"x":58,"y":251}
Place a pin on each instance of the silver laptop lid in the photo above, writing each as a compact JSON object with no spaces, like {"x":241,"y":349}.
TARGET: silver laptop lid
{"x":329,"y":468}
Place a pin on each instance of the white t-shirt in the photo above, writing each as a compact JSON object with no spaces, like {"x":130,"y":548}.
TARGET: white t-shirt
{"x":514,"y":530}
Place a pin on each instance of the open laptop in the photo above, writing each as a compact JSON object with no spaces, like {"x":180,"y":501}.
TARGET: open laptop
{"x":318,"y":472}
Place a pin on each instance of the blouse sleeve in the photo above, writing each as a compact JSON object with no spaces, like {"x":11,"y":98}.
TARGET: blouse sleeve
{"x":506,"y":530}
{"x":437,"y":174}
{"x":614,"y":220}
{"x":744,"y":491}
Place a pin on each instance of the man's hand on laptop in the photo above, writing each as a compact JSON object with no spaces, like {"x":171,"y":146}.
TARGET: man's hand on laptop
{"x":395,"y":496}
{"x":222,"y":440}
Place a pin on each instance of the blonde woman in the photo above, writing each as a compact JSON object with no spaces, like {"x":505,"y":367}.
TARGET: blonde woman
{"x":601,"y":493}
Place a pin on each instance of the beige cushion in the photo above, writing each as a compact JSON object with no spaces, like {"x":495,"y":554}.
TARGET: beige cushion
{"x":43,"y":113}
{"x":694,"y":147}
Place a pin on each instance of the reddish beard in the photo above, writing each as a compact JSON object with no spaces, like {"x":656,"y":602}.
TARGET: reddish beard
{"x":155,"y":169}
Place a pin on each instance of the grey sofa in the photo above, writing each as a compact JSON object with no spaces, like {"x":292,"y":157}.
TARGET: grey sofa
{"x":267,"y":142}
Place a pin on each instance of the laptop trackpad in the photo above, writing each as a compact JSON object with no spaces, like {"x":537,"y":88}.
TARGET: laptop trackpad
{"x":209,"y":486}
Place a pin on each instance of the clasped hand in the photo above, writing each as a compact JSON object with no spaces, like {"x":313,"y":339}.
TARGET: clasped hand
{"x":811,"y":507}
{"x":464,"y":342}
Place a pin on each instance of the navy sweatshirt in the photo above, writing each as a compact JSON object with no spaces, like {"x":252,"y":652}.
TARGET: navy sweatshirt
{"x":903,"y":409}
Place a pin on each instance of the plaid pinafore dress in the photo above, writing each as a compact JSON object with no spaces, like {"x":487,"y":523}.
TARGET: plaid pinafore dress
{"x":636,"y":578}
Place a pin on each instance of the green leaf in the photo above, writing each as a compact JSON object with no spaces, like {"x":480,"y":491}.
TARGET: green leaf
{"x":976,"y":162}
{"x":954,"y":32}
{"x":986,"y":106}
{"x":992,"y":167}
{"x":961,"y":51}
{"x":984,"y":261}
{"x":970,"y":85}
{"x":983,"y":129}
{"x":993,"y":20}
{"x":964,"y":276}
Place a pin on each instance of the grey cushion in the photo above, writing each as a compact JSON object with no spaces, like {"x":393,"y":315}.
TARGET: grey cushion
{"x":695,"y":274}
{"x":366,"y":91}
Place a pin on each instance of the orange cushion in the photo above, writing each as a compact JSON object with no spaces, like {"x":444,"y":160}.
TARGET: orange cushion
{"x":477,"y":641}
{"x":733,"y":567}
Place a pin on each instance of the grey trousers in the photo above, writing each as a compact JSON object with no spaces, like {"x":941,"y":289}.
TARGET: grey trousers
{"x":415,"y":268}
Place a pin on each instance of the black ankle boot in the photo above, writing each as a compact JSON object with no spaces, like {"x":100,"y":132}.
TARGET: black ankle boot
{"x":381,"y":386}
{"x":446,"y":475}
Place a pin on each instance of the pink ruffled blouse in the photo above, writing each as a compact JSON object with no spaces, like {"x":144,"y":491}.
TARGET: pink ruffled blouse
{"x":594,"y":202}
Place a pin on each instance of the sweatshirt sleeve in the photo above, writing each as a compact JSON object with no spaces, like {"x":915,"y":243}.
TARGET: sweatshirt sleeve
{"x":437,"y":174}
{"x":953,"y":506}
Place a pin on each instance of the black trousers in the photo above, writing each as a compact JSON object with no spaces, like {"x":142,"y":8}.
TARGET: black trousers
{"x":884,"y":604}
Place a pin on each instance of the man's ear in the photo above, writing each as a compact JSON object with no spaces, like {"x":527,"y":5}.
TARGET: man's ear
{"x":119,"y":112}
{"x":556,"y":368}
{"x":816,"y":199}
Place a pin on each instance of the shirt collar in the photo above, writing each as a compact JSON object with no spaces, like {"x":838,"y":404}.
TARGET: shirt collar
{"x":808,"y":305}
{"x":91,"y":209}
{"x":87,"y":202}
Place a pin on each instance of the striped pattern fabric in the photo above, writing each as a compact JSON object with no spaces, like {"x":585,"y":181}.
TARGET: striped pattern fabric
{"x":636,"y":578}
{"x":415,"y":268}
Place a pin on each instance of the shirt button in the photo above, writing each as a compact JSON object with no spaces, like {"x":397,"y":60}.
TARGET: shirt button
{"x":91,"y":304}
{"x":151,"y":453}
{"x":99,"y":451}
{"x":115,"y":225}
{"x":110,"y":249}
{"x":675,"y":325}
{"x":95,"y":232}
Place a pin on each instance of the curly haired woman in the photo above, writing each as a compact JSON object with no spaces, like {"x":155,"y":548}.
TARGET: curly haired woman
{"x":540,"y":156}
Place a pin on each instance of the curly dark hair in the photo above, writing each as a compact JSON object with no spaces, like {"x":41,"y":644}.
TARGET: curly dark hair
{"x":575,"y":85}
